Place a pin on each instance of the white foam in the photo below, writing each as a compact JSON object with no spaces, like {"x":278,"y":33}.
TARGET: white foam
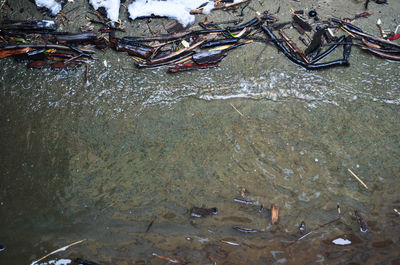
{"x":341,"y":241}
{"x":175,"y":9}
{"x":52,"y":5}
{"x":111,"y":6}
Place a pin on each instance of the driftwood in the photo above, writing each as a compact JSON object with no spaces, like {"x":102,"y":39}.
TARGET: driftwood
{"x":352,"y":29}
{"x":45,"y":46}
{"x":181,"y":48}
{"x":288,"y":54}
{"x":80,"y":37}
{"x":19,"y":25}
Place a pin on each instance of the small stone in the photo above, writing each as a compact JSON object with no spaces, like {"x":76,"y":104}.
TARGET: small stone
{"x":312,"y":13}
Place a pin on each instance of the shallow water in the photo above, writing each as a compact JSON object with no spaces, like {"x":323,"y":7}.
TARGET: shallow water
{"x":99,"y":160}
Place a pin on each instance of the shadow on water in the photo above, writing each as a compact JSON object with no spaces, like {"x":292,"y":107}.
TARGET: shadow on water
{"x":34,"y":168}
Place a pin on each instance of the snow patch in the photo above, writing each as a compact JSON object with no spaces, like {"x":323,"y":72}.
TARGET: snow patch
{"x":207,"y":9}
{"x":175,"y":9}
{"x":51,"y":5}
{"x":111,"y":6}
{"x":57,"y":262}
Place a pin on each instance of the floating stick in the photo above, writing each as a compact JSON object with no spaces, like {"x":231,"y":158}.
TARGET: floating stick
{"x":354,"y":175}
{"x":57,"y":250}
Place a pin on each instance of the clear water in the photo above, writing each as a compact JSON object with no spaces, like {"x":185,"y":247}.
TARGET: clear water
{"x":99,"y":160}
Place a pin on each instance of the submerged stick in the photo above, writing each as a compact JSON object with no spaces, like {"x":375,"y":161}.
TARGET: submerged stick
{"x":314,"y":230}
{"x":57,"y":250}
{"x":237,"y":112}
{"x":354,"y":175}
{"x":151,"y":224}
{"x":303,"y":236}
{"x":274,"y":214}
{"x":243,"y":201}
{"x":166,"y":258}
{"x":230,"y":243}
{"x":245,"y":230}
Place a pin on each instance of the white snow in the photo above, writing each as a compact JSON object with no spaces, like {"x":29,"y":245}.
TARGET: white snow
{"x":52,"y":5}
{"x":57,"y":262}
{"x":341,"y":241}
{"x":62,"y":262}
{"x":175,"y":9}
{"x":111,"y":6}
{"x":207,"y":9}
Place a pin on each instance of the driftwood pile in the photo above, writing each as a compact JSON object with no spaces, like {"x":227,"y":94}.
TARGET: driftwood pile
{"x":41,"y":45}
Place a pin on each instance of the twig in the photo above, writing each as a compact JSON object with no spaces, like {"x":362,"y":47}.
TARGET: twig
{"x":354,"y":175}
{"x":87,"y":71}
{"x":184,"y":60}
{"x":235,"y":3}
{"x":237,"y":110}
{"x":108,"y":206}
{"x":57,"y":250}
{"x":396,"y":211}
{"x":148,"y":27}
{"x":73,"y":58}
{"x":72,"y":10}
